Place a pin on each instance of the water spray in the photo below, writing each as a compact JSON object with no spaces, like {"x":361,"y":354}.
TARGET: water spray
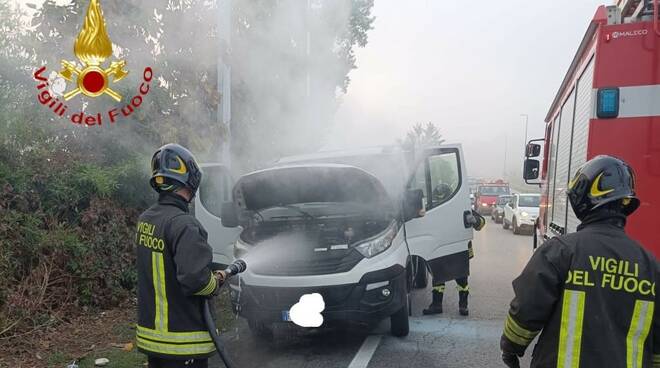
{"x":232,"y":270}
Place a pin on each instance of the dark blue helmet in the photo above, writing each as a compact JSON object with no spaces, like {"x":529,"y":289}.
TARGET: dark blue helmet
{"x":602,"y":180}
{"x":173,"y":167}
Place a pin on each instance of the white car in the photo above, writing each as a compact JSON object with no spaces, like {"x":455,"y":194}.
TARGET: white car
{"x":521,"y":212}
{"x":357,"y":227}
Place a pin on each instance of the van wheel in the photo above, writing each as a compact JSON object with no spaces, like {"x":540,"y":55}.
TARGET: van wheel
{"x":421,"y":277}
{"x":399,"y":324}
{"x":505,"y":225}
{"x":516,"y":230}
{"x":261,"y":330}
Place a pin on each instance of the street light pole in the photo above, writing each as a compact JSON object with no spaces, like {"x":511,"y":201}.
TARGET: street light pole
{"x":526,"y":125}
{"x":506,"y":147}
{"x":224,"y":77}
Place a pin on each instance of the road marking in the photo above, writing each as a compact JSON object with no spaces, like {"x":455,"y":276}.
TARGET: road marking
{"x":367,"y":350}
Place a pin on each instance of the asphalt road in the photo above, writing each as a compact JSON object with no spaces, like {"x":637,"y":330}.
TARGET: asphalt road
{"x":447,"y":340}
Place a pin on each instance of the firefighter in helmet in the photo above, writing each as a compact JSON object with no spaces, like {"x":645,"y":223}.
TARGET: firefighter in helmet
{"x":173,"y":265}
{"x":590,"y":294}
{"x":441,"y":193}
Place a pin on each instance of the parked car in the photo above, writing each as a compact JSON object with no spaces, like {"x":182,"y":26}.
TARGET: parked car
{"x":498,"y":211}
{"x":345,"y":225}
{"x":520,"y":212}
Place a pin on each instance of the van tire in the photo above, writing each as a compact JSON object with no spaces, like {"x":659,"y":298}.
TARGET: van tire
{"x":399,"y":323}
{"x":505,"y":225}
{"x":421,"y":277}
{"x":261,"y":330}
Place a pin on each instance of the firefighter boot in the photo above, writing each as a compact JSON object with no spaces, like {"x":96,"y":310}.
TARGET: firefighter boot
{"x":436,"y":303}
{"x":463,"y":302}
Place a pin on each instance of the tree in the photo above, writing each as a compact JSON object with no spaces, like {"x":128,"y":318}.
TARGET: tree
{"x":283,"y":95}
{"x":290,"y":62}
{"x":420,"y":136}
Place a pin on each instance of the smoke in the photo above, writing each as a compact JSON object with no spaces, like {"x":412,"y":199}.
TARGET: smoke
{"x":290,"y":61}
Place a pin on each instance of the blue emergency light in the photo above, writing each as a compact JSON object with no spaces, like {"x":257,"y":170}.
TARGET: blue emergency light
{"x":608,"y":103}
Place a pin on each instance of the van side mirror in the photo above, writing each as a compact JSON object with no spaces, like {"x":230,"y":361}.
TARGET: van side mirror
{"x":533,"y":150}
{"x":413,"y":204}
{"x":229,"y":215}
{"x":531,"y":169}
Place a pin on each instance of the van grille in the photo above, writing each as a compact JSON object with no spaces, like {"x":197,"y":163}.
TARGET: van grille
{"x":319,"y":263}
{"x":275,"y":298}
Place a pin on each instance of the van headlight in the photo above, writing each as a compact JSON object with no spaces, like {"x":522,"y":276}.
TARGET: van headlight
{"x":240,"y":249}
{"x":524,"y":214}
{"x":379,"y":243}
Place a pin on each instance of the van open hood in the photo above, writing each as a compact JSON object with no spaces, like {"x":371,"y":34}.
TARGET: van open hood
{"x":309,"y":183}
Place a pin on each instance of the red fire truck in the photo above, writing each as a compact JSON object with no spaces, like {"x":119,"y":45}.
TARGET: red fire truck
{"x":486,"y":195}
{"x":608,"y":103}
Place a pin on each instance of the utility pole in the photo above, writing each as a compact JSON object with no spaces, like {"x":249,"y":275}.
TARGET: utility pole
{"x":506,"y":147}
{"x":224,"y":77}
{"x":308,"y":49}
{"x":526,"y":125}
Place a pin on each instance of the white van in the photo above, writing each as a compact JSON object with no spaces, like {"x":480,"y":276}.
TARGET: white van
{"x":358,"y":227}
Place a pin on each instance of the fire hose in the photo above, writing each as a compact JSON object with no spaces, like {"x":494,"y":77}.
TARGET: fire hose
{"x":233,"y":269}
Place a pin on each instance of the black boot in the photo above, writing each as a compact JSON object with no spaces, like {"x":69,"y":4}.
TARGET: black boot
{"x":463,"y":303}
{"x":436,"y":304}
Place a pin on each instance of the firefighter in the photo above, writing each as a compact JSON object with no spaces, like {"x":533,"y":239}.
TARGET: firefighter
{"x":173,"y":264}
{"x":441,"y":193}
{"x":590,"y":294}
{"x":438,"y":292}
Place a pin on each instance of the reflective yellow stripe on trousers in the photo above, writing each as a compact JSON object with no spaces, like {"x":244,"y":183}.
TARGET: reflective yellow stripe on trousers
{"x":158,"y":270}
{"x":639,"y":329}
{"x":570,"y":334}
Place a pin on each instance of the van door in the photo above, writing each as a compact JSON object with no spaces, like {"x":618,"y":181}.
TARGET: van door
{"x":214,"y":190}
{"x":441,"y":237}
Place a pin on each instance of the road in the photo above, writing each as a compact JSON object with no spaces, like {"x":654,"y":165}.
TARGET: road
{"x":448,"y":340}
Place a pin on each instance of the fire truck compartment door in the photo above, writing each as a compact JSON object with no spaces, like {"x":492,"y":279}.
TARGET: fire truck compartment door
{"x":441,"y":236}
{"x":216,"y":187}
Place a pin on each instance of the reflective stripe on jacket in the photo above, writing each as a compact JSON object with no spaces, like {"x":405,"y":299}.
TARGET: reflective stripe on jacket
{"x":591,"y":295}
{"x":173,"y":260}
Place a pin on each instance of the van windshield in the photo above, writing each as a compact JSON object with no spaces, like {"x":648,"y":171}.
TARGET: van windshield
{"x":493,"y":190}
{"x":503,"y":200}
{"x":529,"y":201}
{"x":387,"y":168}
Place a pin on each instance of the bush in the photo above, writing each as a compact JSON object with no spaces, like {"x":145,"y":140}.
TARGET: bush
{"x":66,"y":233}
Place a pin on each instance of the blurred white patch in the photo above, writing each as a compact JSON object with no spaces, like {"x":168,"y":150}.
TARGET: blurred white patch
{"x":57,"y":84}
{"x":307,"y":312}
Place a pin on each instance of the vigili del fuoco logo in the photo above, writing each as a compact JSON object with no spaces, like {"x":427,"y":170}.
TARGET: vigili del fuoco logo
{"x":90,"y":77}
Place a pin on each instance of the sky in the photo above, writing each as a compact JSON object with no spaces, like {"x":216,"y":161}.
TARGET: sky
{"x":470,"y":67}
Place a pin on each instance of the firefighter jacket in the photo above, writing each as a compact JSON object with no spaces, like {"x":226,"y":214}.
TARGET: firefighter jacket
{"x":173,"y":260}
{"x":592,"y":294}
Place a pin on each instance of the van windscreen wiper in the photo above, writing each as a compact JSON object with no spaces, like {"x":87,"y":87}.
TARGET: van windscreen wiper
{"x":296,"y":209}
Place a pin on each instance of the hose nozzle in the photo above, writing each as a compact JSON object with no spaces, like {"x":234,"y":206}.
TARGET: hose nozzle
{"x":235,"y":268}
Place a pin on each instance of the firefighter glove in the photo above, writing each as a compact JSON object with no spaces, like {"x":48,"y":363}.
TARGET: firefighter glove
{"x":510,"y":359}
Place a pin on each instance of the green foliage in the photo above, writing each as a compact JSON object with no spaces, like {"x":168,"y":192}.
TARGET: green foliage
{"x":420,"y":136}
{"x":66,"y":229}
